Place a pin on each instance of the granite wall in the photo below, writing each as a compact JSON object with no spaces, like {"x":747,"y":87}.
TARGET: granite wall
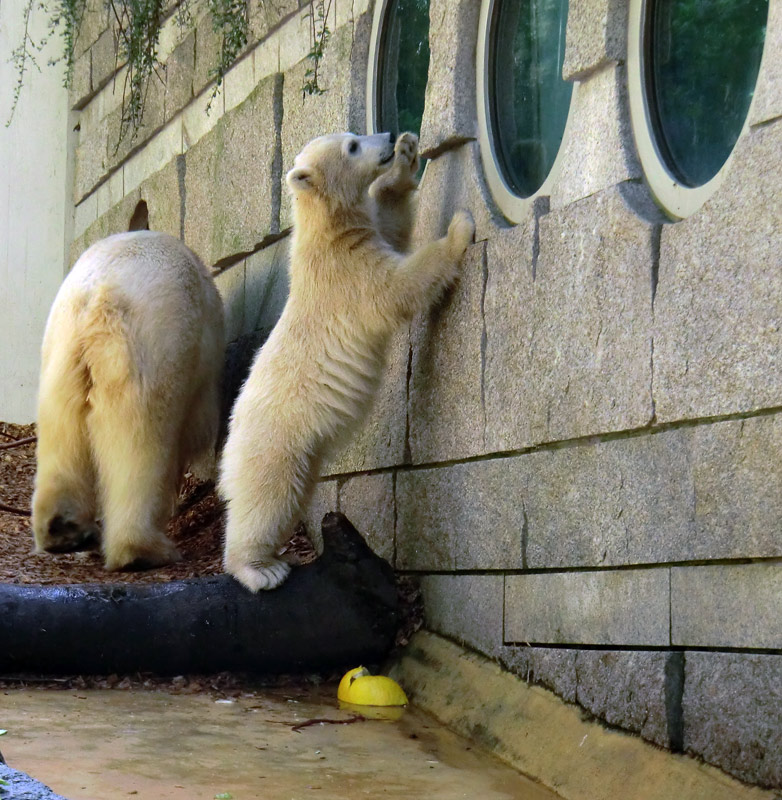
{"x":578,"y":451}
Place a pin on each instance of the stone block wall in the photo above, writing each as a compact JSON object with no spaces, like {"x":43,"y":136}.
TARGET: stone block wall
{"x":578,"y":451}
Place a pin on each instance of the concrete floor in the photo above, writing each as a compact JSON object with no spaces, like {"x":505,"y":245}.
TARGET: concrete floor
{"x":119,"y":745}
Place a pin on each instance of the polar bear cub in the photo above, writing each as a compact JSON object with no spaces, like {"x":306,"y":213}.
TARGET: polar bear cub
{"x":351,"y":286}
{"x":128,"y":396}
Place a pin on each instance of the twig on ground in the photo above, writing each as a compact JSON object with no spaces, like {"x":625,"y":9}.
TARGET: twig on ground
{"x":20,"y":512}
{"x":349,"y":721}
{"x":18,"y":442}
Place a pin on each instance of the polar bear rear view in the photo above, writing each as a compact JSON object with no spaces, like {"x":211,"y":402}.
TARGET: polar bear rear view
{"x":128,"y":396}
{"x":351,"y":286}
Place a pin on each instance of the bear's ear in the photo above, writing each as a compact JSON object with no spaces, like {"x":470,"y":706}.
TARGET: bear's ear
{"x":300,"y":179}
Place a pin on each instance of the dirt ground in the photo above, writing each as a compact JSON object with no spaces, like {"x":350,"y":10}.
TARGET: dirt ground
{"x":197,"y":529}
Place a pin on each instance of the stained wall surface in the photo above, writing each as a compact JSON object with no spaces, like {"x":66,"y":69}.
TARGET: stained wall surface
{"x":578,"y":451}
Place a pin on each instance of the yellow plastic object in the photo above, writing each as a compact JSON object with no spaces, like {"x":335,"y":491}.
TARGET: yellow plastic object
{"x":359,"y":688}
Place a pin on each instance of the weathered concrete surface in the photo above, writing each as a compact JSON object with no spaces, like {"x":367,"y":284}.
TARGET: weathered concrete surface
{"x":717,"y":311}
{"x":729,"y":605}
{"x":547,"y":739}
{"x":609,"y":607}
{"x":732,"y":708}
{"x":767,"y":102}
{"x":460,"y":517}
{"x":117,"y":744}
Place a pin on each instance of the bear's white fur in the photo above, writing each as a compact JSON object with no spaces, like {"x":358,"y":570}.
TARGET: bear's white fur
{"x":351,"y":286}
{"x":128,"y":396}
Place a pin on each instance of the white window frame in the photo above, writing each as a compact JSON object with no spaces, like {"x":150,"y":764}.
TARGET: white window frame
{"x":677,"y":200}
{"x":513,"y":207}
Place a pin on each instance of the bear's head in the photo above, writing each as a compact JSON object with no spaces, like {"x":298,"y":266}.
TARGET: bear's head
{"x":338,"y":169}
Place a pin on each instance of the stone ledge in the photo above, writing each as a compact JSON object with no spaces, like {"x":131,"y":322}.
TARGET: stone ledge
{"x":547,"y":739}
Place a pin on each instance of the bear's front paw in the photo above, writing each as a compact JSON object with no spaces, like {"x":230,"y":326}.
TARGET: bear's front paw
{"x":257,"y":576}
{"x":460,"y":232}
{"x":406,"y":151}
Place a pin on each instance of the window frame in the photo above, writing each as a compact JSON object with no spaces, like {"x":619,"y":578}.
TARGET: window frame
{"x":514,"y":207}
{"x":676,"y":199}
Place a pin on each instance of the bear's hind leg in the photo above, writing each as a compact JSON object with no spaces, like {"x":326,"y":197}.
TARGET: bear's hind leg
{"x":138,"y":464}
{"x":64,"y":502}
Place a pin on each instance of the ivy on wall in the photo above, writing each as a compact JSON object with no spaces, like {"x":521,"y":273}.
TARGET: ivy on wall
{"x":137,"y":25}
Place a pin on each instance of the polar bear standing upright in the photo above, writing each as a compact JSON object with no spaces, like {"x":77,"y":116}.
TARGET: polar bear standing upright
{"x":128,"y":396}
{"x":351,"y":286}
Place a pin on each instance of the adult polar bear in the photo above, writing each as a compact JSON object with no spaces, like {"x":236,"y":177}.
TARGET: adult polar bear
{"x":351,"y":286}
{"x":128,"y":396}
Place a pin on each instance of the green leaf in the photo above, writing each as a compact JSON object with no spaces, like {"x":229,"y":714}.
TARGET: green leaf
{"x":224,"y":796}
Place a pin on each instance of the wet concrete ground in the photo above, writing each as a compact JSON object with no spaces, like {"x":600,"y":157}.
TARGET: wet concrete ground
{"x":121,"y":745}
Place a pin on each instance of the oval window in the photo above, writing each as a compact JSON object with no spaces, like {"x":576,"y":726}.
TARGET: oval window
{"x":523,"y":103}
{"x":400,"y":66}
{"x":692,"y":69}
{"x":703,"y":60}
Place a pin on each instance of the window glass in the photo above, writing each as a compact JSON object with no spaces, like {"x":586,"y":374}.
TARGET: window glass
{"x":529,"y":101}
{"x":403,"y":66}
{"x":703,"y":58}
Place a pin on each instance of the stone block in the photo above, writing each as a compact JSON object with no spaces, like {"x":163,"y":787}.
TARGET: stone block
{"x":449,"y":110}
{"x":94,"y":22}
{"x":717,"y":311}
{"x":551,"y":667}
{"x":324,"y":499}
{"x":239,"y":82}
{"x":767,"y":103}
{"x":198,"y":118}
{"x":80,"y":89}
{"x":599,"y":150}
{"x":735,"y":605}
{"x":106,"y":59}
{"x":266,"y":287}
{"x":466,"y":516}
{"x":207,"y":55}
{"x":159,"y":151}
{"x":627,"y":689}
{"x":230,"y":284}
{"x":592,"y":320}
{"x":445,"y":404}
{"x":381,"y":440}
{"x":368,"y":502}
{"x":91,"y":161}
{"x":85,"y":214}
{"x":110,"y":192}
{"x":264,"y":17}
{"x":115,"y":220}
{"x":608,"y":607}
{"x":596,"y":35}
{"x":179,"y":70}
{"x":511,"y":394}
{"x":737,"y":477}
{"x":162,"y":192}
{"x":621,"y":502}
{"x":231,"y":183}
{"x":732,"y":707}
{"x":450,"y":182}
{"x":342,"y":74}
{"x":466,"y":608}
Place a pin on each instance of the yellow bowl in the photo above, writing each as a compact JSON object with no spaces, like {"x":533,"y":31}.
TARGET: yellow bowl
{"x":360,"y":688}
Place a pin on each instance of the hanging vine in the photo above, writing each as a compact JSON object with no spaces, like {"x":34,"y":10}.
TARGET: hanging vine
{"x":137,"y":25}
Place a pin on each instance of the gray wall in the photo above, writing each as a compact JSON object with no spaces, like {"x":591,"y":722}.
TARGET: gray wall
{"x":35,"y":207}
{"x":578,"y":451}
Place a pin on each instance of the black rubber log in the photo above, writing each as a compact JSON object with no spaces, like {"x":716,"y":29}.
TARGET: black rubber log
{"x":340,"y":610}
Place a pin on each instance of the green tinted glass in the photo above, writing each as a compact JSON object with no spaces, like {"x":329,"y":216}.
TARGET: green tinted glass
{"x":403,"y":66}
{"x":528,"y":99}
{"x":702,"y":61}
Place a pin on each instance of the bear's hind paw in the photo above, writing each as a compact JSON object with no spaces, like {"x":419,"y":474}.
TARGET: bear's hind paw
{"x":267,"y":575}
